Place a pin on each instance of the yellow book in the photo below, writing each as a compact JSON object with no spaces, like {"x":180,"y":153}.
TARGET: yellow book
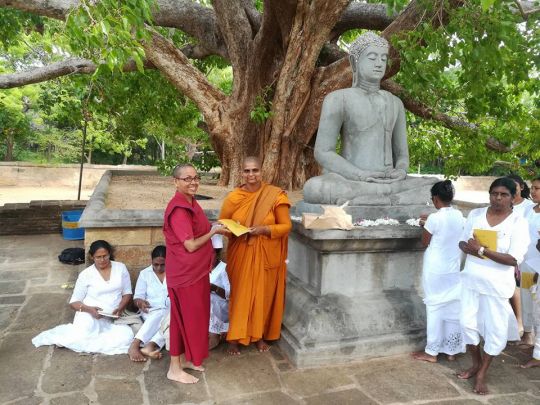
{"x":486,"y":238}
{"x":233,"y":226}
{"x":527,"y":280}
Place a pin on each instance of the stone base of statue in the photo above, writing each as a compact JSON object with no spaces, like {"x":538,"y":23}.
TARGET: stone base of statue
{"x":353,"y":295}
{"x":359,"y":212}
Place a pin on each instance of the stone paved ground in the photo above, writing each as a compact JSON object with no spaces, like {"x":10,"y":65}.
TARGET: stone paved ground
{"x":32,"y":299}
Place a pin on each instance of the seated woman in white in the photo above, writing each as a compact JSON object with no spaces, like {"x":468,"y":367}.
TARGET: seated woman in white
{"x":101,"y":293}
{"x":219,"y":304}
{"x":220,"y":290}
{"x":152,"y":299}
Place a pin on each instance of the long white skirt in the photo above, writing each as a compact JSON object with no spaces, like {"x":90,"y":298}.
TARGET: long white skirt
{"x":88,"y":335}
{"x":443,"y":308}
{"x":489,"y":317}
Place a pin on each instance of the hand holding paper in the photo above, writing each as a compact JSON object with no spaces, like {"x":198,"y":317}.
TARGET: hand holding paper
{"x":236,"y":228}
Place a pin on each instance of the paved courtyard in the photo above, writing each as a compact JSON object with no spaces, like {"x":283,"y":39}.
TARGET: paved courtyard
{"x":34,"y":289}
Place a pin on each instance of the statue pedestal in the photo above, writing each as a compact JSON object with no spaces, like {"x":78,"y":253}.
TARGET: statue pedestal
{"x":399,"y":212}
{"x":353,"y":294}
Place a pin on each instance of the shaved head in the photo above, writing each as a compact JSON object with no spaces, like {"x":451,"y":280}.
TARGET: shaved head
{"x":252,"y":159}
{"x":177,"y":171}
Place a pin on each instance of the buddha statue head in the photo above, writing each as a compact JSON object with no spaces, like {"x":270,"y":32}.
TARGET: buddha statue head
{"x":368,"y":56}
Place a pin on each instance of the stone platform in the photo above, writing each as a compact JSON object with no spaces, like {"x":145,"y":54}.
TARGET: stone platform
{"x":353,"y":294}
{"x":32,"y":299}
{"x":399,"y":212}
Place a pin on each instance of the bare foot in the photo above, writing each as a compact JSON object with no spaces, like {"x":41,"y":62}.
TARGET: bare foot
{"x":152,"y":350}
{"x":233,"y":349}
{"x":262,"y":346}
{"x":134,"y":352}
{"x":214,"y":340}
{"x":423,"y":356}
{"x":451,"y":357}
{"x":465,"y":375}
{"x":182,"y":377}
{"x":191,"y":366}
{"x":527,"y":340}
{"x":480,"y":386}
{"x":531,"y":363}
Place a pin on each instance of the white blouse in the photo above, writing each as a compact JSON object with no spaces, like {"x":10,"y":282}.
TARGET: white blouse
{"x":484,"y":275}
{"x":523,"y":207}
{"x":151,"y":289}
{"x":532,"y":258}
{"x":443,"y":254}
{"x":93,"y":290}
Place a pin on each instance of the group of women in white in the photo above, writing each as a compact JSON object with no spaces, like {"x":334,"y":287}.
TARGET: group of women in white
{"x":464,"y":302}
{"x":469,"y":299}
{"x":100,"y":298}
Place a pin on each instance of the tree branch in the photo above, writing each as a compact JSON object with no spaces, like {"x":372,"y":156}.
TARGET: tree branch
{"x":175,"y":66}
{"x":236,"y":30}
{"x":55,"y":70}
{"x":191,"y":17}
{"x":362,"y":15}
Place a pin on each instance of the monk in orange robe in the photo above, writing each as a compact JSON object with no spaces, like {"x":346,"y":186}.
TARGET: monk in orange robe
{"x":256,"y":261}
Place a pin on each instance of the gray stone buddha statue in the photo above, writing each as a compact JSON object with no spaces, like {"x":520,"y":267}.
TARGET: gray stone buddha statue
{"x":371,"y":168}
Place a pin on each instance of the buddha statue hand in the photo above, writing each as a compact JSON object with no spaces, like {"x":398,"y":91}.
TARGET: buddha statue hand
{"x":370,"y":177}
{"x":395,"y":174}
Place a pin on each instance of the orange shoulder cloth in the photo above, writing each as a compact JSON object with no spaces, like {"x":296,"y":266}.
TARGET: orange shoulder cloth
{"x":262,"y":205}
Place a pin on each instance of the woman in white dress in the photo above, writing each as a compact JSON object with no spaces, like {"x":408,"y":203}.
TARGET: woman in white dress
{"x":440,"y":276}
{"x":520,"y":301}
{"x":495,"y":240}
{"x":530,"y":266}
{"x":151,"y":297}
{"x":220,"y":290}
{"x":101,"y":294}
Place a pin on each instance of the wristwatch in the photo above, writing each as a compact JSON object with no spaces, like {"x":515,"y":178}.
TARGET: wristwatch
{"x":481,"y":251}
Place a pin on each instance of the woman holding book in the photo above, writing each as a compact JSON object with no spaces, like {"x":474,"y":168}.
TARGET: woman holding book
{"x":101,"y":294}
{"x":495,"y":240}
{"x":256,"y":261}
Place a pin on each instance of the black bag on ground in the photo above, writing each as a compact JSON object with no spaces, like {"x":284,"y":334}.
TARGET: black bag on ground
{"x":72,"y":256}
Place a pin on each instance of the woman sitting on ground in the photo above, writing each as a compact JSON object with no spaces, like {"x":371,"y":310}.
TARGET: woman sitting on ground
{"x":440,"y":276}
{"x":101,"y":294}
{"x":220,"y":290}
{"x":152,"y":299}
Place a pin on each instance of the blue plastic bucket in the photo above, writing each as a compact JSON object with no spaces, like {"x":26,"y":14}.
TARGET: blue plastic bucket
{"x":70,"y":225}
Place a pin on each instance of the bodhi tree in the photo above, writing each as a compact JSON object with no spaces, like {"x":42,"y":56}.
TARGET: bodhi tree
{"x":462,"y":67}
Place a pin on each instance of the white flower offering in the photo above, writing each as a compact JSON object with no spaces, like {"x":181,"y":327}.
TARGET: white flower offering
{"x":413,"y":222}
{"x":377,"y":222}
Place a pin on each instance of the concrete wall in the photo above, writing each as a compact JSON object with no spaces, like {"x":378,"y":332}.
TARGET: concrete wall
{"x":473,"y":183}
{"x":31,"y":174}
{"x":36,"y":217}
{"x":132,"y":246}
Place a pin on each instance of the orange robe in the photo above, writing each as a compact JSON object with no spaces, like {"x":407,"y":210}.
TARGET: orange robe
{"x":256,"y":264}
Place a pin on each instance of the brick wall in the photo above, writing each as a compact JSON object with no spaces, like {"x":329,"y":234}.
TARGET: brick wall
{"x":35,"y":217}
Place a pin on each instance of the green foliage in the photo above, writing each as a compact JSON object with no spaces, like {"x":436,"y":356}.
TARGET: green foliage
{"x":110,"y":32}
{"x":15,"y":24}
{"x":480,"y":67}
{"x":262,"y":110}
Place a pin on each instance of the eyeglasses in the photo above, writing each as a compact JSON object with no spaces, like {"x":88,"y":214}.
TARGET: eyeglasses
{"x":104,"y":257}
{"x":189,"y":179}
